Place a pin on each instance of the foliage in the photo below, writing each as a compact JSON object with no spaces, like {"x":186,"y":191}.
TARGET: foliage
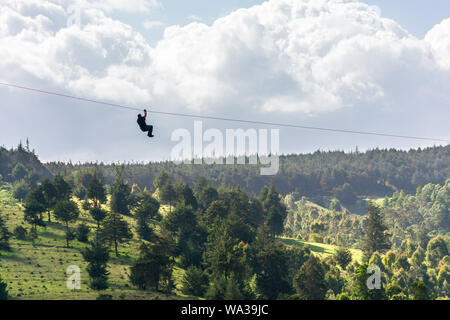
{"x":82,"y":233}
{"x":146,"y":212}
{"x":343,"y":257}
{"x":5,"y":235}
{"x":195,"y":282}
{"x":97,"y":256}
{"x":3,"y":290}
{"x":310,"y":280}
{"x":115,"y":230}
{"x":154,"y":266}
{"x":67,"y":211}
{"x":376,"y":239}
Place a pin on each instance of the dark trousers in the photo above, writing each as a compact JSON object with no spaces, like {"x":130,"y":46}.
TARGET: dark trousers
{"x":149,"y":129}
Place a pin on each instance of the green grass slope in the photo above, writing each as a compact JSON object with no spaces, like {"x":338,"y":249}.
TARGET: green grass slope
{"x":321,"y":249}
{"x":38,"y":271}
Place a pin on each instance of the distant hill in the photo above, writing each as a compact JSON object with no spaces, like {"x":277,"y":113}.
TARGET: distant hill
{"x":347,"y":176}
{"x":10,"y":158}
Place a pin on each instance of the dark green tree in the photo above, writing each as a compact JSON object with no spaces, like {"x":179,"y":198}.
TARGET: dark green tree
{"x":271,"y":266}
{"x":20,"y":190}
{"x":5,"y":235}
{"x":82,"y":233}
{"x":310,"y":282}
{"x":195,"y":282}
{"x":154,"y":264}
{"x":376,"y":238}
{"x":168,"y":195}
{"x":275,"y":210}
{"x":186,"y":195}
{"x":63,"y":188}
{"x":98,"y":214}
{"x":34,"y":207}
{"x":146,"y":212}
{"x":207,"y":196}
{"x":96,"y":191}
{"x":343,"y":257}
{"x":216,"y":211}
{"x":436,"y":250}
{"x":19,"y":172}
{"x":67,"y":211}
{"x":188,"y":235}
{"x":115,"y":230}
{"x":161,"y":179}
{"x":97,"y":256}
{"x":420,"y":291}
{"x":49,"y":193}
{"x":121,"y":197}
{"x":360,"y":289}
{"x":3,"y":290}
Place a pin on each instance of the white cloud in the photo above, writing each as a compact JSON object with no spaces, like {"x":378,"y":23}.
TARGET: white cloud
{"x":439,"y":40}
{"x":128,"y":5}
{"x":151,"y":24}
{"x":194,"y":18}
{"x":283,"y":60}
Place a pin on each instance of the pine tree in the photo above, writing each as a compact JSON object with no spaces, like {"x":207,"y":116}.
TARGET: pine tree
{"x":120,"y":197}
{"x":167,"y":194}
{"x":376,"y":238}
{"x":275,"y":210}
{"x":360,"y":290}
{"x":98,"y":214}
{"x":96,"y":191}
{"x":97,"y":256}
{"x":146,"y":210}
{"x":271,"y":266}
{"x":67,"y":211}
{"x":4,"y":235}
{"x":343,"y":257}
{"x":161,"y":179}
{"x":34,"y":208}
{"x":115,"y":230}
{"x":3,"y":290}
{"x":154,"y":264}
{"x":63,"y":188}
{"x":195,"y":282}
{"x":49,"y":193}
{"x":310,"y":281}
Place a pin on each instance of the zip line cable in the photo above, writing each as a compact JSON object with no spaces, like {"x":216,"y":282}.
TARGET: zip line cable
{"x":114,"y":105}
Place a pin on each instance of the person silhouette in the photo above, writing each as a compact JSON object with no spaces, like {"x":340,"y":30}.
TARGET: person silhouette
{"x":143,"y":125}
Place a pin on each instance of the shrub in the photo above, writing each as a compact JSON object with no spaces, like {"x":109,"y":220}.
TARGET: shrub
{"x":82,"y":233}
{"x":20,"y":233}
{"x":315,"y":237}
{"x":343,"y":257}
{"x":195,"y":282}
{"x":3,"y":290}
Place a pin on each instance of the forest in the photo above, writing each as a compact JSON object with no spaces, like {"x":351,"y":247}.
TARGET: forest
{"x":166,"y":231}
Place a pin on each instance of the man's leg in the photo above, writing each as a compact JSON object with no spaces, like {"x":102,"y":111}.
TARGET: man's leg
{"x":150,"y":131}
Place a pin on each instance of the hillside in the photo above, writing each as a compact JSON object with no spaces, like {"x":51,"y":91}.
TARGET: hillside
{"x":216,"y":243}
{"x":38,"y":271}
{"x":9,"y":159}
{"x":347,"y":176}
{"x":323,"y":250}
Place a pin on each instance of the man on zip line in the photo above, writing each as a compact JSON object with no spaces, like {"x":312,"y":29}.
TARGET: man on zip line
{"x":143,"y":125}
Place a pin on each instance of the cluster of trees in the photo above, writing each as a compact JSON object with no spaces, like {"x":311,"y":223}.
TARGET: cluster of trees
{"x":21,"y":165}
{"x":226,"y":239}
{"x":308,"y":221}
{"x":401,"y":237}
{"x":419,"y":216}
{"x":212,"y":233}
{"x":345,"y":176}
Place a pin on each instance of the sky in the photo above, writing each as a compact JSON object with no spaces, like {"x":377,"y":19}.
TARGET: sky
{"x":373,"y":65}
